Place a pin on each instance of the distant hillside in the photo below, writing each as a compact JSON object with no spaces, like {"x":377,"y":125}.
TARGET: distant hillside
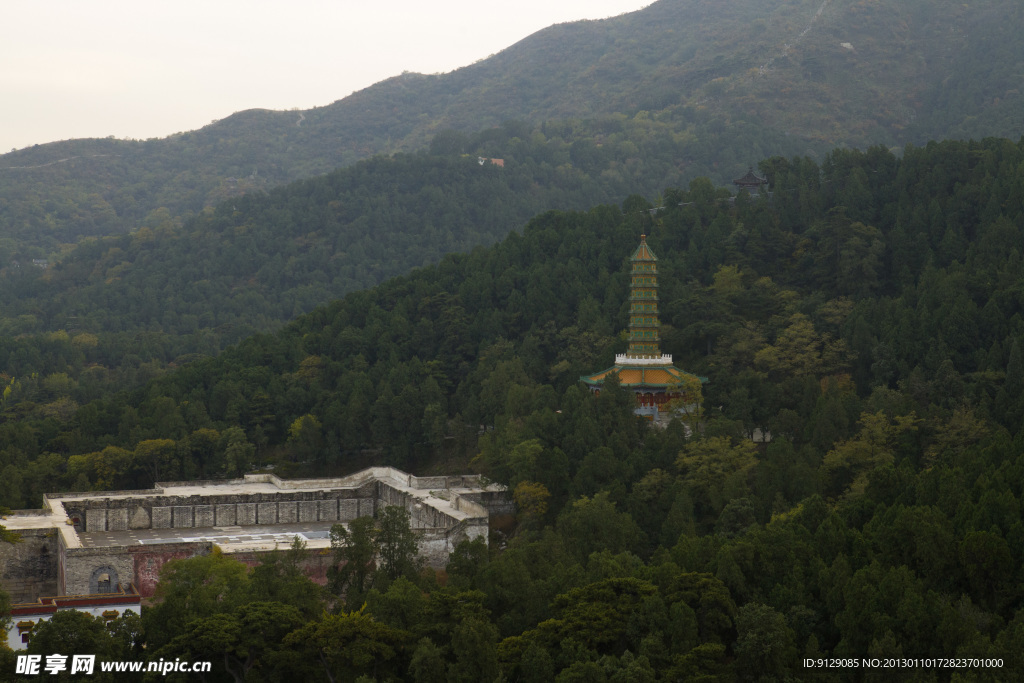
{"x":253,"y":263}
{"x":732,"y":82}
{"x":865,"y":276}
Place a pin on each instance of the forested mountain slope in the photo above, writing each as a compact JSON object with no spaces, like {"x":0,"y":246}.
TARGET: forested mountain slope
{"x":733,"y":82}
{"x":256,"y":262}
{"x":870,"y":316}
{"x":890,"y":272}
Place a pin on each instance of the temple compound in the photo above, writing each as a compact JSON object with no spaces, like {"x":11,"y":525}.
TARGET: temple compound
{"x":98,"y":547}
{"x":643,"y":369}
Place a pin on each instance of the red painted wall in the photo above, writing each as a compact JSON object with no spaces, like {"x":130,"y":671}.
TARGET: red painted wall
{"x":314,"y":565}
{"x":149,"y":559}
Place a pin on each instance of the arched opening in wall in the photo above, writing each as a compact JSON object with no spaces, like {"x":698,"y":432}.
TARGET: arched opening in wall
{"x":104,"y":580}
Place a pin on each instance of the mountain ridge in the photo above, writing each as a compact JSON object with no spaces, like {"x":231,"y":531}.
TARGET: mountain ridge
{"x":913,"y":71}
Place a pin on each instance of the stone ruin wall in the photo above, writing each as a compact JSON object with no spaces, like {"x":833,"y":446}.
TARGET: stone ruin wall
{"x":197,"y":511}
{"x":42,"y":565}
{"x":314,"y":564}
{"x":138,"y":564}
{"x":439,"y":532}
{"x":29,"y":569}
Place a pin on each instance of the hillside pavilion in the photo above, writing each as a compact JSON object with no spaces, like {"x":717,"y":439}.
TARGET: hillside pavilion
{"x":752,"y":183}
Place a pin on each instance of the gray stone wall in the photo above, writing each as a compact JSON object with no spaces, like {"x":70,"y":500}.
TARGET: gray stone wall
{"x":328,"y":510}
{"x":287,"y":512}
{"x":447,"y":482}
{"x":496,"y":502}
{"x":97,"y":513}
{"x":439,"y":532}
{"x":224,"y":515}
{"x":429,"y":482}
{"x":84,"y":567}
{"x":308,"y":511}
{"x":161,"y":517}
{"x":246,"y":514}
{"x":96,"y":519}
{"x":117,"y":520}
{"x":421,"y":514}
{"x":139,"y":518}
{"x":266,"y":513}
{"x":28,"y":570}
{"x":436,"y":545}
{"x":204,"y":516}
{"x":182,"y":516}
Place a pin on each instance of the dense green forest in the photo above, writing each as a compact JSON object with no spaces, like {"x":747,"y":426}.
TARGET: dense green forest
{"x":169,"y":293}
{"x":256,"y":262}
{"x":731,"y":82}
{"x":869,"y":316}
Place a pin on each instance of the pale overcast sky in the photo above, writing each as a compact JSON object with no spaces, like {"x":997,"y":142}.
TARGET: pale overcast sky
{"x":142,"y":69}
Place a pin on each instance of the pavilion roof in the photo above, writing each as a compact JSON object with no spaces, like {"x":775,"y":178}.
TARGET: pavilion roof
{"x":750,"y":178}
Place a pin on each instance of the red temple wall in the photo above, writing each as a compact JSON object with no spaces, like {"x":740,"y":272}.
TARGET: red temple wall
{"x":149,"y":562}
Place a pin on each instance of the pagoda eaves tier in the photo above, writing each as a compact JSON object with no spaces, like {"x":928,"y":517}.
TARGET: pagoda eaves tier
{"x":643,"y":369}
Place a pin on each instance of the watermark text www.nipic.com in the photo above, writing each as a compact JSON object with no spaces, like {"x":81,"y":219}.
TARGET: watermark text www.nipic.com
{"x":34,"y":665}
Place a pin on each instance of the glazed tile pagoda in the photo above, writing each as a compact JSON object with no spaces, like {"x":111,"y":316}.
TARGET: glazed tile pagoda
{"x":643,"y":369}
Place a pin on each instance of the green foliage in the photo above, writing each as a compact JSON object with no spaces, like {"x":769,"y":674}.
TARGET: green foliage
{"x":355,"y":548}
{"x":5,"y":609}
{"x":765,"y":650}
{"x":716,"y":471}
{"x":372,"y":553}
{"x":212,"y":608}
{"x":246,"y":640}
{"x":280,"y":578}
{"x":397,"y":543}
{"x":853,"y":489}
{"x":191,"y":590}
{"x":71,"y":632}
{"x":593,"y":524}
{"x":427,"y":664}
{"x":349,"y":644}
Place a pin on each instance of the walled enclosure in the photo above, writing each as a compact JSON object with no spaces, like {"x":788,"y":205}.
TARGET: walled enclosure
{"x":85,"y":543}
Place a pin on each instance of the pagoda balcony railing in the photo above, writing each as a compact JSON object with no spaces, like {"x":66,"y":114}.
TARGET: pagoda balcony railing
{"x":634,"y":297}
{"x":627,"y":359}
